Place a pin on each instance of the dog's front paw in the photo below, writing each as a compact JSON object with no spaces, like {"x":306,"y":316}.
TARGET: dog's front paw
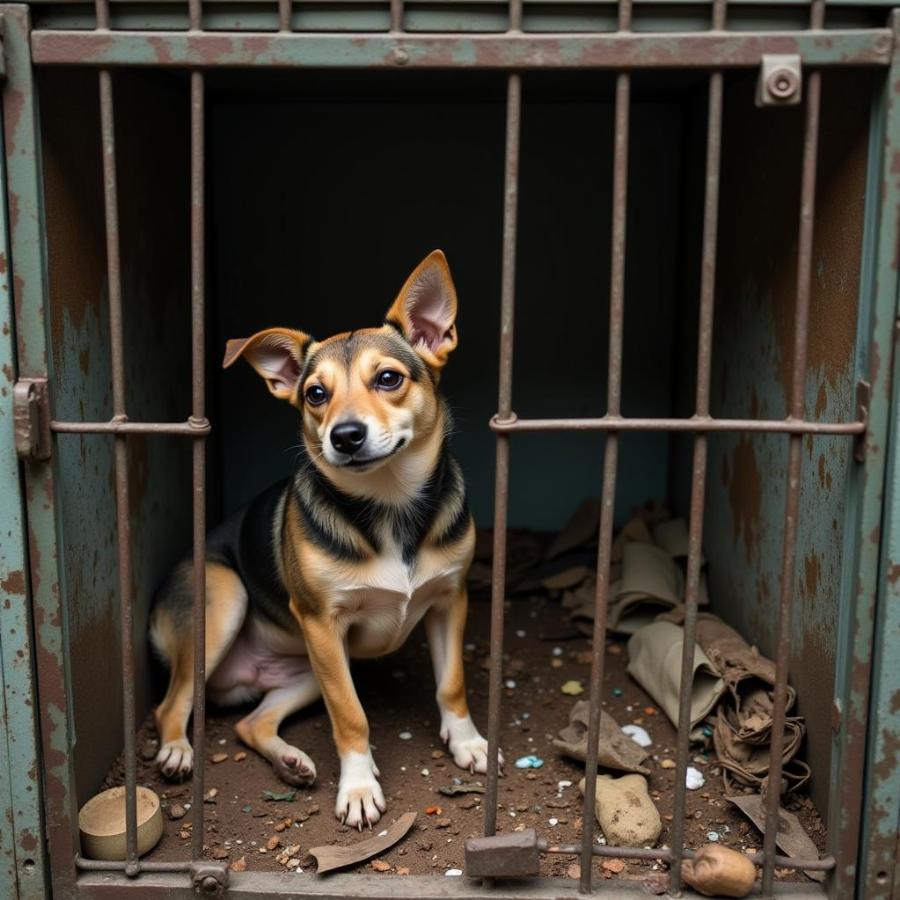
{"x":175,"y":759}
{"x":467,"y":747}
{"x":293,"y":766}
{"x":360,"y":800}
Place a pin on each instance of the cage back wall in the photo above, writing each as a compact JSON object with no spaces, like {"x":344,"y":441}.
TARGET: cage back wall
{"x":692,"y":279}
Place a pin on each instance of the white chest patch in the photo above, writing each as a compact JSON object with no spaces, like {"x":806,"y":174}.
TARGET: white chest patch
{"x":380,"y":603}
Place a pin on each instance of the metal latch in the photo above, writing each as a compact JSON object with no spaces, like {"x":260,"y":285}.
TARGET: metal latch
{"x":31,"y":415}
{"x":209,"y":878}
{"x":780,"y":80}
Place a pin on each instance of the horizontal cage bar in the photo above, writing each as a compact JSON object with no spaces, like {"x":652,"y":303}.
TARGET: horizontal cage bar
{"x":192,"y":427}
{"x":616,"y":50}
{"x":698,"y":424}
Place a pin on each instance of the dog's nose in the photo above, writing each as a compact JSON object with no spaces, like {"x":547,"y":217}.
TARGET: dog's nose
{"x":348,"y":437}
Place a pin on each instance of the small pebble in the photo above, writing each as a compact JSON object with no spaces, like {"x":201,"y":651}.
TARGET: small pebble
{"x":554,"y":821}
{"x":637,"y":734}
{"x":510,"y":683}
{"x":557,"y":651}
{"x":563,"y":784}
{"x":437,"y":754}
{"x":453,"y":872}
{"x":177,"y":811}
{"x":667,"y":763}
{"x":219,"y":757}
{"x":529,"y":762}
{"x":617,"y":692}
{"x":405,"y":736}
{"x":520,"y":633}
{"x":556,"y":663}
{"x":572,"y":688}
{"x":712,"y":836}
{"x":425,"y":773}
{"x":240,"y":756}
{"x":694,"y":779}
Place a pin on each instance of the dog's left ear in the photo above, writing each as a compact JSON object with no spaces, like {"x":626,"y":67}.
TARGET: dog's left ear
{"x":425,"y":310}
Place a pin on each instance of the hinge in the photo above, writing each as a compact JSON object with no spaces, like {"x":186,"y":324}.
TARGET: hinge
{"x":209,"y":878}
{"x":780,"y":80}
{"x":863,"y":402}
{"x":31,"y":414}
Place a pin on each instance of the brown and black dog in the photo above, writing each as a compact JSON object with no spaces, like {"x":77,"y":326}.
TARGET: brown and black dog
{"x":371,"y":535}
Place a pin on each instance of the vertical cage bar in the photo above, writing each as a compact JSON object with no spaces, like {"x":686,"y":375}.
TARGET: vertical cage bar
{"x":611,"y":447}
{"x":795,"y":453}
{"x":123,"y":509}
{"x":698,"y":479}
{"x":198,"y":402}
{"x":504,"y":406}
{"x":515,"y":15}
{"x":396,"y":15}
{"x":285,"y":15}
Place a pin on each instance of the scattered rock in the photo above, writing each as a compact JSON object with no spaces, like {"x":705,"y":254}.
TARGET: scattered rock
{"x":612,"y":867}
{"x":379,"y":865}
{"x":625,"y":811}
{"x":667,"y":763}
{"x":218,"y":758}
{"x":240,"y":756}
{"x":239,"y":865}
{"x":637,"y":734}
{"x":210,"y":795}
{"x":573,"y":688}
{"x":220,"y":853}
{"x":443,"y":823}
{"x":273,"y":842}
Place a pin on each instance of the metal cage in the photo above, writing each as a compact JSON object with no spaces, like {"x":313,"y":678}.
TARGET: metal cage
{"x":861,"y":858}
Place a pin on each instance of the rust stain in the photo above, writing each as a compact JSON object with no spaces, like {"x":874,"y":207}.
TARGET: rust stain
{"x":822,"y":471}
{"x":893,"y":573}
{"x":821,"y":402}
{"x":812,"y":570}
{"x":14,"y":583}
{"x":745,"y":496}
{"x":8,"y":373}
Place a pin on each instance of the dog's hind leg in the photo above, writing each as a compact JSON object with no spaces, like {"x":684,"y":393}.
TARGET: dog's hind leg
{"x":259,"y":730}
{"x":172,"y":634}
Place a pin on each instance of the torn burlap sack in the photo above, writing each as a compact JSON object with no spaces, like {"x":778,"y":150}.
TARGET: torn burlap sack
{"x":654,"y":661}
{"x":616,"y":750}
{"x":742,"y":732}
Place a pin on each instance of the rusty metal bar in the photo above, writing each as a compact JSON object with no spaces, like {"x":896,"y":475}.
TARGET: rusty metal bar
{"x":698,"y":478}
{"x":198,"y":416}
{"x":504,"y":405}
{"x":123,"y":511}
{"x":509,"y":51}
{"x":790,"y":425}
{"x":611,"y":448}
{"x":286,"y":15}
{"x":515,"y":16}
{"x":123,"y":426}
{"x":396,"y":16}
{"x":666,"y":854}
{"x":99,"y":865}
{"x":795,"y":453}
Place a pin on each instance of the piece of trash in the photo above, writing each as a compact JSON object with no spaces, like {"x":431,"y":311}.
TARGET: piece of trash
{"x":693,"y":779}
{"x":286,"y":796}
{"x":510,"y":683}
{"x":712,"y":836}
{"x":617,"y":692}
{"x":573,"y":688}
{"x":453,"y":873}
{"x":529,"y":762}
{"x":405,"y":736}
{"x":424,"y":773}
{"x":649,"y":710}
{"x":433,"y":810}
{"x":554,"y":821}
{"x":453,"y":789}
{"x":333,"y":857}
{"x":557,"y":651}
{"x":615,"y":750}
{"x":248,"y":808}
{"x":637,"y":734}
{"x":563,"y":784}
{"x":719,"y":872}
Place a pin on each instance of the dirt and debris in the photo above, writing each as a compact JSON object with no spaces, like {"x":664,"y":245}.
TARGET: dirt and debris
{"x":398,"y":695}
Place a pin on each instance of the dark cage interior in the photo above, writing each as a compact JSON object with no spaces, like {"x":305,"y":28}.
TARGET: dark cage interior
{"x":323,"y":192}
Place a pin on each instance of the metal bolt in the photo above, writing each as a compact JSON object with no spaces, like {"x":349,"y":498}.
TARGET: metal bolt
{"x":209,"y":885}
{"x":783,"y":83}
{"x":399,"y":56}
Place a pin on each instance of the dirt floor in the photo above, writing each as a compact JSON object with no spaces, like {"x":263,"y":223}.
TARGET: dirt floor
{"x":398,"y":695}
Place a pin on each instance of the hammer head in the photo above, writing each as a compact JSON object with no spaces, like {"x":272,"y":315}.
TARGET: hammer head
{"x":513,"y":855}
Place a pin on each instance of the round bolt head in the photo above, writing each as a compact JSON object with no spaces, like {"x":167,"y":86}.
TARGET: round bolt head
{"x":782,"y":83}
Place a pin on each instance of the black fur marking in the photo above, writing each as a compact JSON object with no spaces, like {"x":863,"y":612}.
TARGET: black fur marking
{"x":396,"y":326}
{"x":318,"y":532}
{"x":458,"y":525}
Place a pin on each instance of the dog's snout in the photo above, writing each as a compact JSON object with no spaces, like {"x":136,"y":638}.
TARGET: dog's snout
{"x":348,"y":437}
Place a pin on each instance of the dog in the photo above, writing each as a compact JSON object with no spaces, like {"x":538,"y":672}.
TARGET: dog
{"x":371,"y":535}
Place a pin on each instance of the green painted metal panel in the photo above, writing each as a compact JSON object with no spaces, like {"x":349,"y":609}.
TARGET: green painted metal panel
{"x":28,"y":271}
{"x":22,"y":871}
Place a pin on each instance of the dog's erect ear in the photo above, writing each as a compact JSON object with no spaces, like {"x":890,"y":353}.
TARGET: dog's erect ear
{"x":425,"y":310}
{"x":276,"y":353}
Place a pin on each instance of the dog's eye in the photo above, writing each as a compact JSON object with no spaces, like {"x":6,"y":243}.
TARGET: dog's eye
{"x":389,"y":379}
{"x":315,"y":395}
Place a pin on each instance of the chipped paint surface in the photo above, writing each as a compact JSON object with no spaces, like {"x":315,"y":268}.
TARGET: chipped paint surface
{"x":752,"y":366}
{"x":606,"y":51}
{"x":21,"y":849}
{"x":157,"y":377}
{"x":878,"y":869}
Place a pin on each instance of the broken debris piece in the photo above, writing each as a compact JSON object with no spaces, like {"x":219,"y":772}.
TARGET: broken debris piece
{"x":330,"y":858}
